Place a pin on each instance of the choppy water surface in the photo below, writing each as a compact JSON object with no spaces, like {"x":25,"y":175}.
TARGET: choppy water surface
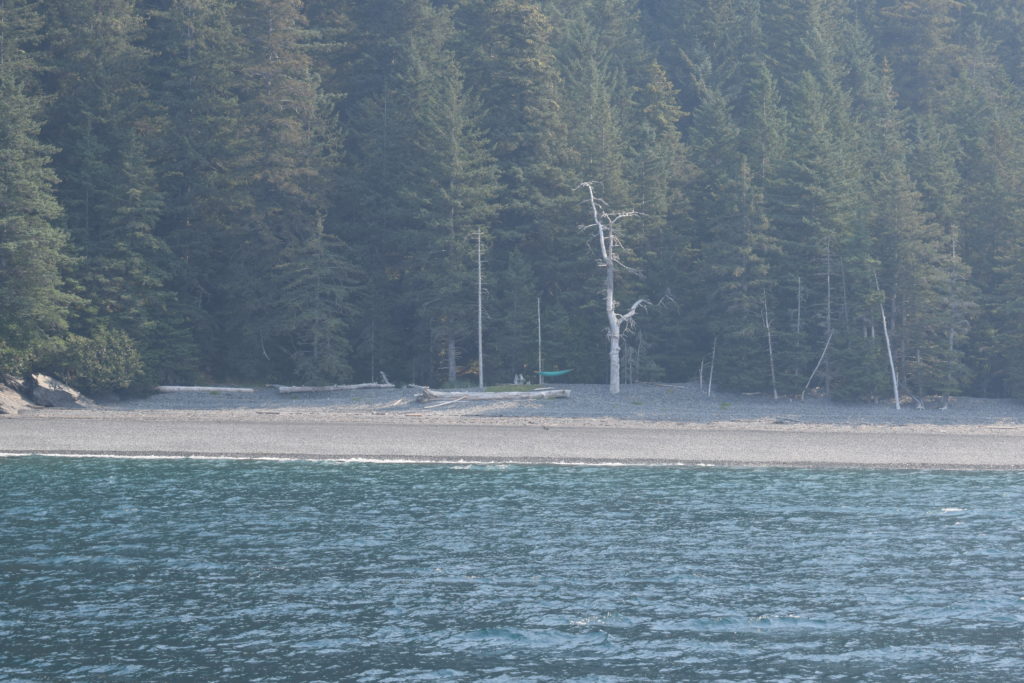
{"x":219,"y":570}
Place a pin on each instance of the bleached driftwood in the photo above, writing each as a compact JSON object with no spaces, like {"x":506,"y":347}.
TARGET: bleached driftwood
{"x":384,"y":383}
{"x":333,"y":387}
{"x":211,"y":390}
{"x":429,"y":394}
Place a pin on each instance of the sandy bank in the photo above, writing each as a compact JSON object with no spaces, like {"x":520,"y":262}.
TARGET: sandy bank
{"x":645,"y":424}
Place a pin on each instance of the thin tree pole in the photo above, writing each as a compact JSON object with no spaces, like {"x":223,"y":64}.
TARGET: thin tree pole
{"x":771,"y":353}
{"x":711,"y":371}
{"x":480,"y":307}
{"x":815,"y":370}
{"x":888,"y":346}
{"x":540,"y":356}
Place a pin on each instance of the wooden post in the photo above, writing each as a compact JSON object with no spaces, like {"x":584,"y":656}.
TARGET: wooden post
{"x":540,"y":357}
{"x":480,"y":308}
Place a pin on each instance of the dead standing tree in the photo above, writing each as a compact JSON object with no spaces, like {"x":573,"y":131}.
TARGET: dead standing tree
{"x":605,"y":222}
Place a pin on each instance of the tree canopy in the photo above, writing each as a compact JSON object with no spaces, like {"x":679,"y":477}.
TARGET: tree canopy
{"x":279,"y":190}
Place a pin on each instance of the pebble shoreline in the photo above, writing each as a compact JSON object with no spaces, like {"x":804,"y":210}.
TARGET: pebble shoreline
{"x":680,"y":403}
{"x":644,"y":424}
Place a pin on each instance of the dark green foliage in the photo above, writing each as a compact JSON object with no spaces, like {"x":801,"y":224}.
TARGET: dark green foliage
{"x":106,"y":125}
{"x":513,"y":323}
{"x":103,"y":363}
{"x":33,"y":249}
{"x":277,"y":190}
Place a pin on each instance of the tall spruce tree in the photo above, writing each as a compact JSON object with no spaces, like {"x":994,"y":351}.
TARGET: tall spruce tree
{"x":913,"y":254}
{"x":984,"y":110}
{"x":103,"y":120}
{"x":735,"y":244}
{"x":291,"y":154}
{"x":452,"y":192}
{"x":934,"y":158}
{"x":198,"y":52}
{"x":509,"y":62}
{"x":33,"y":247}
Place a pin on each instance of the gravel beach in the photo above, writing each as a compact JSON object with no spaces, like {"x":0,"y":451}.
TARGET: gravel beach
{"x":644,"y":424}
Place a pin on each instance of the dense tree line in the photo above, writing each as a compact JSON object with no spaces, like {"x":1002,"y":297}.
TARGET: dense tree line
{"x":829,"y":193}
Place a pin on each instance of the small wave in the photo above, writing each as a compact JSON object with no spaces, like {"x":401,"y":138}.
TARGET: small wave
{"x":370,"y":460}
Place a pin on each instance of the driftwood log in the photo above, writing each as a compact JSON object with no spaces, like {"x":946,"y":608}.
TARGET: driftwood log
{"x":429,"y":394}
{"x":333,"y":387}
{"x":210,"y":390}
{"x":384,"y":383}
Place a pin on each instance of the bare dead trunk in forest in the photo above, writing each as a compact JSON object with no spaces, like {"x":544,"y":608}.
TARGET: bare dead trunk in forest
{"x":451,"y":359}
{"x":888,"y":346}
{"x":605,"y":224}
{"x":614,"y":326}
{"x":480,"y":309}
{"x":771,"y":352}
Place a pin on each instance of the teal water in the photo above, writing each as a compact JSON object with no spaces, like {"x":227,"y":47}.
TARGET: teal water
{"x":228,"y":570}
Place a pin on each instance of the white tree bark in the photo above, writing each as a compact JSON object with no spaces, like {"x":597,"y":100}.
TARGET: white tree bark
{"x":168,"y":389}
{"x":540,"y":355}
{"x":815,"y":370}
{"x":711,"y":370}
{"x":431,"y":395}
{"x":771,"y":352}
{"x":480,"y":309}
{"x":605,"y":224}
{"x":333,"y":387}
{"x":888,"y":346}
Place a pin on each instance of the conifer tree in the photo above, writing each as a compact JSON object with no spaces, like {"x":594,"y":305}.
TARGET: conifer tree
{"x":426,"y":187}
{"x":984,"y":109}
{"x":33,"y":247}
{"x":198,"y":50}
{"x":735,"y":244}
{"x":105,"y":124}
{"x":513,"y":321}
{"x":934,"y":165}
{"x":506,"y":51}
{"x":290,"y":156}
{"x":452,"y":193}
{"x":914,"y":260}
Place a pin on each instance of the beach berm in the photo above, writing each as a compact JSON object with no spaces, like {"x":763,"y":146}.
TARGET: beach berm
{"x":645,"y":424}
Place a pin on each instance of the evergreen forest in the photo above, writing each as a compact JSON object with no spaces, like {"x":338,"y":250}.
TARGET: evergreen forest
{"x":823,"y":194}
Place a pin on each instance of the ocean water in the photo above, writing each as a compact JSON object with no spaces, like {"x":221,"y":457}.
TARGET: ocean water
{"x":244,"y":570}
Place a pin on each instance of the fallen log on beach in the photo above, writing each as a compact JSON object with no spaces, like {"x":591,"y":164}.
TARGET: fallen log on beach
{"x":333,"y":387}
{"x":210,"y":390}
{"x":429,"y":394}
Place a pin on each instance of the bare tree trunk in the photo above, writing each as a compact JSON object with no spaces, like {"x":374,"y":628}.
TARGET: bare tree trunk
{"x":614,"y":326}
{"x":480,"y":309}
{"x":828,"y":314}
{"x":711,"y":370}
{"x":892,"y":365}
{"x":540,"y":356}
{"x":799,"y":305}
{"x":373,"y":349}
{"x":888,"y":347}
{"x":451,"y":358}
{"x":771,"y":352}
{"x":605,"y":224}
{"x":815,"y":370}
